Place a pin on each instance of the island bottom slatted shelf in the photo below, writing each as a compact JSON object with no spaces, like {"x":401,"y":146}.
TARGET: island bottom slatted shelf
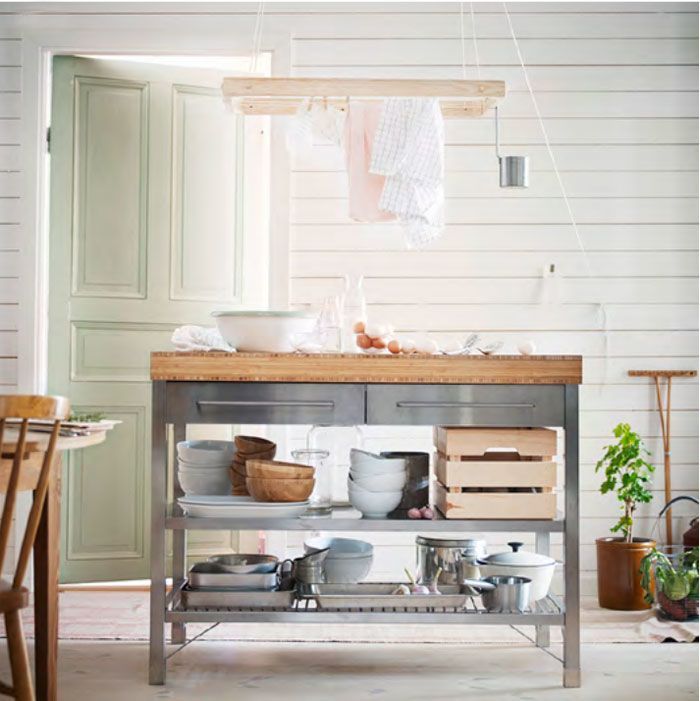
{"x":539,"y":391}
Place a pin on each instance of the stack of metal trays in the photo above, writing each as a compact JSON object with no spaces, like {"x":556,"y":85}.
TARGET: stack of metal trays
{"x":208,"y":586}
{"x":368,"y":596}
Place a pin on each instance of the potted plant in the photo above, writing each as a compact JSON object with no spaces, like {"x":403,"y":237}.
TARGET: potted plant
{"x":628,"y":474}
{"x":673,"y":575}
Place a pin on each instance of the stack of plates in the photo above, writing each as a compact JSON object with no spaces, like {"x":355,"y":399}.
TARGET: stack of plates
{"x":203,"y":467}
{"x":239,"y":507}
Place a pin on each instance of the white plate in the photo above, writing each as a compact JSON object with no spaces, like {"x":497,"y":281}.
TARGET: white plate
{"x":239,"y":507}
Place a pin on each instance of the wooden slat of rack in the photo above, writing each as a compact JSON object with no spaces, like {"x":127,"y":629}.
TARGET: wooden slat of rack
{"x":336,"y":367}
{"x":280,"y":106}
{"x":360,"y":87}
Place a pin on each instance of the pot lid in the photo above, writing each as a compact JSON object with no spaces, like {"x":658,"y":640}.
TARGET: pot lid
{"x":516,"y":556}
{"x":451,"y":542}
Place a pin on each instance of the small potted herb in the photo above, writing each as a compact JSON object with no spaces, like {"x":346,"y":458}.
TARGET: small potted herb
{"x":673,"y":574}
{"x":628,"y":475}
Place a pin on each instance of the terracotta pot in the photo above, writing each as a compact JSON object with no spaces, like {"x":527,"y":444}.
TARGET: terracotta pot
{"x":619,"y":579}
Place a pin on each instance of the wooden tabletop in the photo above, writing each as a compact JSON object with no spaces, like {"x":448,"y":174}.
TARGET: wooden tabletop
{"x":217,"y":366}
{"x":38,"y":440}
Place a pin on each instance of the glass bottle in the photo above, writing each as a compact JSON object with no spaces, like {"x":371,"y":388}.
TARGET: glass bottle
{"x":337,"y":441}
{"x":354,"y":310}
{"x":321,"y":499}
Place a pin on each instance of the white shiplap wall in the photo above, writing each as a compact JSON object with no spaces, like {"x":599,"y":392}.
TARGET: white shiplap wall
{"x":617,"y":83}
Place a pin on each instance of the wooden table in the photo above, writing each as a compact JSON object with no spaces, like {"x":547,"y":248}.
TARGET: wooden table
{"x":47,"y":558}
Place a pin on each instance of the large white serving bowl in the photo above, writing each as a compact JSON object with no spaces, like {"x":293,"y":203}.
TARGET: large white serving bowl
{"x":341,"y":548}
{"x":265,"y":331}
{"x":202,"y":453}
{"x":388,"y":482}
{"x":206,"y":482}
{"x":374,"y":505}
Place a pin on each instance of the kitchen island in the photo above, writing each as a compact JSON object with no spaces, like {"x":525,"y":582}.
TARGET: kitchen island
{"x":354,"y":389}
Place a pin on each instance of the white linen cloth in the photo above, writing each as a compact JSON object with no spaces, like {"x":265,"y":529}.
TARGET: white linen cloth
{"x":199,"y":338}
{"x":409,"y":150}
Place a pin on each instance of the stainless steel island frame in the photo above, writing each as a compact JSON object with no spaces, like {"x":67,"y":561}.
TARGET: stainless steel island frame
{"x":177,"y":403}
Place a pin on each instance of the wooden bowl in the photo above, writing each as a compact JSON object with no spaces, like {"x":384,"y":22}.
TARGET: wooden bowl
{"x":253,"y":445}
{"x":279,"y":490}
{"x":275,"y":469}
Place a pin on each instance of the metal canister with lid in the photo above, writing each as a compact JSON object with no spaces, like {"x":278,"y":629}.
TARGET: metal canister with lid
{"x":447,"y":553}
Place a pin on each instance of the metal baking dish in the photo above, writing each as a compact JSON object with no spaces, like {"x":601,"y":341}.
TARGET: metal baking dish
{"x":378,"y":596}
{"x":209,"y":575}
{"x":225,"y":598}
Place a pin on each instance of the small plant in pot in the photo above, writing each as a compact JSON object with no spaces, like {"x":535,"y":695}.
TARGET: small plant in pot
{"x":672,"y":573}
{"x":628,"y":475}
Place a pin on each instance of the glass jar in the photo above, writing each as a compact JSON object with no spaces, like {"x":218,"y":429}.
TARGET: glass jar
{"x":354,"y":310}
{"x":338,"y":441}
{"x":321,"y":499}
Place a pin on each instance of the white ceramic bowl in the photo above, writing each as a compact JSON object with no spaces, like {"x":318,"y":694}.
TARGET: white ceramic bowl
{"x":340,"y":548}
{"x":263,"y":331}
{"x":205,"y":482}
{"x":185,"y":465}
{"x":369,"y":469}
{"x":374,"y":504}
{"x":388,"y":482}
{"x":348,"y":560}
{"x":203,"y":453}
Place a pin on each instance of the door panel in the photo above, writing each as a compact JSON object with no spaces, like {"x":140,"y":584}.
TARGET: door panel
{"x":111,"y":165}
{"x":147,"y":232}
{"x":207,"y":235}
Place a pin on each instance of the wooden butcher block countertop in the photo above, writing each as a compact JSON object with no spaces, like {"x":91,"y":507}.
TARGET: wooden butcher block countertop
{"x":217,"y":366}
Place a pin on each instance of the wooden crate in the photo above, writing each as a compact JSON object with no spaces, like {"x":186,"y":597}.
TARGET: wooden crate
{"x":495,"y":470}
{"x":453,"y":441}
{"x":495,"y":473}
{"x":495,"y":505}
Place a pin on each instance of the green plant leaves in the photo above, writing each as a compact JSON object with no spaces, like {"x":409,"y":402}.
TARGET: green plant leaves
{"x":627,"y":473}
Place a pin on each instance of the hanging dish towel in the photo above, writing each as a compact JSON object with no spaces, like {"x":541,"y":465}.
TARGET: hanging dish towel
{"x":409,"y":150}
{"x":364,"y":188}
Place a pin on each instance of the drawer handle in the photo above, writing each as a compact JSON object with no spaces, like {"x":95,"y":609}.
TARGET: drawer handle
{"x":462,"y":405}
{"x":266,"y":403}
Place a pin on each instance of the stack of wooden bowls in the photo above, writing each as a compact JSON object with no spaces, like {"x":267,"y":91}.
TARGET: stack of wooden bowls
{"x":271,"y":480}
{"x":248,"y":448}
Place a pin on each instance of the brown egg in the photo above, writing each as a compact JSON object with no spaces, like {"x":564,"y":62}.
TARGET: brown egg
{"x":359,"y":327}
{"x":378,"y":343}
{"x":363,"y":341}
{"x":394,"y":346}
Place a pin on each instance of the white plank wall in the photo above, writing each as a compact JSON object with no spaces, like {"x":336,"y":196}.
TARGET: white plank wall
{"x":617,"y":84}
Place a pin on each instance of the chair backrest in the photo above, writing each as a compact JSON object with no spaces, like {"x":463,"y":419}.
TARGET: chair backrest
{"x":13,"y":444}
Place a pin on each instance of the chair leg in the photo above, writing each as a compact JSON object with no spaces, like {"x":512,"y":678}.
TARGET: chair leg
{"x":19,"y":659}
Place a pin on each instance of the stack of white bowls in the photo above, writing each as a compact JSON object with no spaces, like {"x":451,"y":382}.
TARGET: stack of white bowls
{"x":348,"y":561}
{"x":375,"y":483}
{"x":203,"y":467}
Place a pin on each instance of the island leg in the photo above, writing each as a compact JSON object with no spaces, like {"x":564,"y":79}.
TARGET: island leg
{"x":542,"y":637}
{"x":156,"y":666}
{"x":178,"y":631}
{"x":572,"y":642}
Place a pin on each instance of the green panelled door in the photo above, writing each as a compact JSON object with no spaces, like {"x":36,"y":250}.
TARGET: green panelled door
{"x":146,"y":234}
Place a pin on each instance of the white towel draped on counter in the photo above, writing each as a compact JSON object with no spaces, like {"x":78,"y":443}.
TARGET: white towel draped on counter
{"x":408,"y":150}
{"x":199,"y":338}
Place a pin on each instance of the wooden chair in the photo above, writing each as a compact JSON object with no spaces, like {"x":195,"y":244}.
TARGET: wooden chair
{"x":22,"y":468}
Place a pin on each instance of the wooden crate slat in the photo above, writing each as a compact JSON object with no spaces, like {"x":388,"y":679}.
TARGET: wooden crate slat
{"x":495,"y":505}
{"x":494,"y":473}
{"x":453,"y":441}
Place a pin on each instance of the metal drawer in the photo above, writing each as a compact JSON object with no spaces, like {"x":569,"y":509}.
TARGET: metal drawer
{"x":475,"y":405}
{"x":265,"y":403}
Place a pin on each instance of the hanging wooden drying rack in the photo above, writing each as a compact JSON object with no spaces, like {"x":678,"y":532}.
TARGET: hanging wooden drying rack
{"x":283,"y":96}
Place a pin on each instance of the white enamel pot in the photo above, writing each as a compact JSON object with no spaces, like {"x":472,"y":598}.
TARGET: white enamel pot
{"x":516,"y":563}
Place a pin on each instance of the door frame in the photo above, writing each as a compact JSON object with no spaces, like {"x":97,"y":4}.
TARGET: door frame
{"x":46,"y":36}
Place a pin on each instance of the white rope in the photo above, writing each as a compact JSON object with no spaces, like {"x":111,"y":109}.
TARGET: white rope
{"x":257,"y":37}
{"x":461,"y":36}
{"x":553,"y":159}
{"x":476,"y":46}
